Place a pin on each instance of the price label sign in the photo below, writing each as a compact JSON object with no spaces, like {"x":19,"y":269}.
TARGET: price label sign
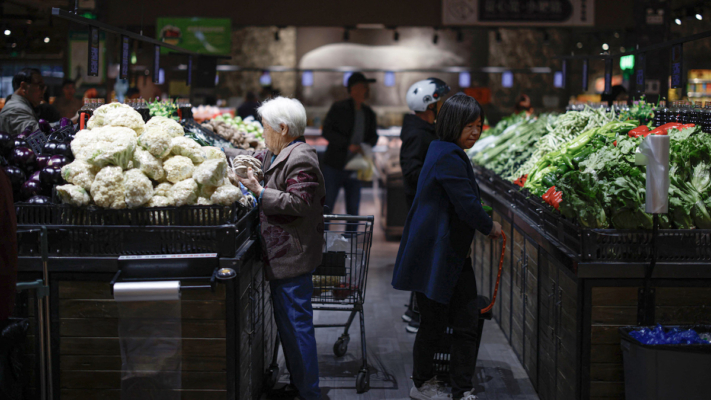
{"x":93,"y":65}
{"x":189,"y":81}
{"x":676,"y":67}
{"x":156,"y":64}
{"x":585,"y":74}
{"x":608,"y":75}
{"x":640,"y":78}
{"x":125,"y":56}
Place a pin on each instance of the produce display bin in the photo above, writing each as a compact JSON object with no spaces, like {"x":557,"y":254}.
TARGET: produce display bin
{"x":666,"y":372}
{"x":565,"y":290}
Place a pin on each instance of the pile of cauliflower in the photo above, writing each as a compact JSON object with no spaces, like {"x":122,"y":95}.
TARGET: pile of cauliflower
{"x":242,"y":134}
{"x":122,"y":162}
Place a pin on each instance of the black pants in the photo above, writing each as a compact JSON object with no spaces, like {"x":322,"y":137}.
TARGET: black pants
{"x":462,"y":315}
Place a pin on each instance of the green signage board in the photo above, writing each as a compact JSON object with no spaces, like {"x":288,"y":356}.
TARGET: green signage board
{"x":201,"y":35}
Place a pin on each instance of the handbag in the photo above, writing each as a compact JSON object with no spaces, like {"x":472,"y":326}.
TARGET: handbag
{"x":357,"y":163}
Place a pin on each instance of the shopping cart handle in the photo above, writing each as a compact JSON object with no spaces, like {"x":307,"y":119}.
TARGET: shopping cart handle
{"x":498,"y":277}
{"x":349,"y":218}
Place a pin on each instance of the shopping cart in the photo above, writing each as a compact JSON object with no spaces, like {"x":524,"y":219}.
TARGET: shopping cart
{"x":339,"y":285}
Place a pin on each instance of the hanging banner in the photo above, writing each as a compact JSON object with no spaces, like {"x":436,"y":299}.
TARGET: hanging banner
{"x":93,"y":63}
{"x":640,"y":80}
{"x":156,"y":64}
{"x":202,"y":35}
{"x":585,"y":75}
{"x":519,"y":12}
{"x":125,"y":57}
{"x":608,"y":75}
{"x":79,"y":58}
{"x":676,"y":67}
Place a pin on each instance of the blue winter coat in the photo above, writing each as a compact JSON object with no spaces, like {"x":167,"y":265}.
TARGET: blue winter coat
{"x":440,"y":226}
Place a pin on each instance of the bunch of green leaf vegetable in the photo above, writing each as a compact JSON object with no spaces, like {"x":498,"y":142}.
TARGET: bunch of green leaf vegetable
{"x":163,"y":109}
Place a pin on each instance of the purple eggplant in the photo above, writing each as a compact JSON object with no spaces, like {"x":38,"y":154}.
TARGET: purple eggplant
{"x":17,"y":176}
{"x":20,"y":143}
{"x":39,"y":200}
{"x":45,"y":127}
{"x":29,"y":189}
{"x":6,"y":143}
{"x":42,"y":160}
{"x":23,"y":157}
{"x":50,"y":148}
{"x":25,"y":133}
{"x":65,"y":122}
{"x":50,"y":176}
{"x":63,"y":149}
{"x":58,"y":161}
{"x":35,"y":176}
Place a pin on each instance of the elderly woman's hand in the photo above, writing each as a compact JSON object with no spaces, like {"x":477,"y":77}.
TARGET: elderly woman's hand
{"x":251,"y":182}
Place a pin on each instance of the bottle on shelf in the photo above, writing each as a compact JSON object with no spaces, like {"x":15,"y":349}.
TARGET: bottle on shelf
{"x":659,"y":114}
{"x":697,"y":114}
{"x":706,"y":118}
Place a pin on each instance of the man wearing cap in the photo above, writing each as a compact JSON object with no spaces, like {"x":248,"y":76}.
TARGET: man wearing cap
{"x":348,"y":124}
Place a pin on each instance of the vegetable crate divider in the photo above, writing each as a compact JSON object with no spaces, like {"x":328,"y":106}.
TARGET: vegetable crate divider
{"x":672,"y":245}
{"x":36,"y":141}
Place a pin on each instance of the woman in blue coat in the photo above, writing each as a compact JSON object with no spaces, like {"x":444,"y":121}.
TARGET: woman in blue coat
{"x":433,"y":256}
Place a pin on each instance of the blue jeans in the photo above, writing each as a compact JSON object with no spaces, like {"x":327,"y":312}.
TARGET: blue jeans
{"x":294,"y":317}
{"x":337,"y":179}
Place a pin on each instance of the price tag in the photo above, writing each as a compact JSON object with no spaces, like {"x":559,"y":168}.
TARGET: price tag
{"x":93,"y":66}
{"x":125,"y":56}
{"x":156,"y":64}
{"x":565,"y":73}
{"x":640,"y":77}
{"x":585,"y":74}
{"x":676,"y":66}
{"x":608,"y":75}
{"x":190,"y":70}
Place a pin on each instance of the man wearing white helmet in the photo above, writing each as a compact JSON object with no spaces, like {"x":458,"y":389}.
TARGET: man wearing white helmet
{"x":418,"y":131}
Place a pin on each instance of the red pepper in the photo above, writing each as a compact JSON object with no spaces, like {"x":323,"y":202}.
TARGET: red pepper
{"x":546,"y":197}
{"x":688,"y":126}
{"x":614,"y":143}
{"x":524,"y":179}
{"x":638,"y":131}
{"x":557,"y":198}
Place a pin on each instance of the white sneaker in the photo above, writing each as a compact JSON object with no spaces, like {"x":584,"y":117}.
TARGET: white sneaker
{"x":469,"y":396}
{"x":430,"y":390}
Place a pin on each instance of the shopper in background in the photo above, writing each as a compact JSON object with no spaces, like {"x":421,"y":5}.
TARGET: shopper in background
{"x":291,"y":227}
{"x":348,"y":124}
{"x":432,"y":259}
{"x":418,"y":131}
{"x":523,"y":104}
{"x":47,"y":111}
{"x":249,"y":107}
{"x":68,"y":104}
{"x":19,"y":111}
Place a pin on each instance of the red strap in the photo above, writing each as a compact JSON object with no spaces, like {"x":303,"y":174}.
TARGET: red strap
{"x":498,"y":277}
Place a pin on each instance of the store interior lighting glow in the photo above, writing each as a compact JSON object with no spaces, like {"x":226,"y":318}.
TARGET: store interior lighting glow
{"x":699,"y":16}
{"x":46,"y":40}
{"x":389,"y":80}
{"x":465,"y":79}
{"x":677,"y":21}
{"x":161,"y":76}
{"x":605,"y":46}
{"x":307,"y":78}
{"x":580,"y":45}
{"x":346,"y":75}
{"x":265,"y":79}
{"x":627,"y":62}
{"x":7,"y":32}
{"x":507,"y":79}
{"x":558,"y":79}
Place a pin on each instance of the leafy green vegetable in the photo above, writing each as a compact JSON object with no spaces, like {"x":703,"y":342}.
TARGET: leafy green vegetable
{"x":582,"y":199}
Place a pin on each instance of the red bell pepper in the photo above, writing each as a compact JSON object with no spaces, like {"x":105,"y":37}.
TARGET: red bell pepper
{"x":546,"y":196}
{"x":664,"y":129}
{"x":556,"y":199}
{"x":614,"y":143}
{"x":638,"y":131}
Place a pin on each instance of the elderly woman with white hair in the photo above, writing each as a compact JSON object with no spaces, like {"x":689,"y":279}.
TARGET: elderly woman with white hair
{"x":291,"y":226}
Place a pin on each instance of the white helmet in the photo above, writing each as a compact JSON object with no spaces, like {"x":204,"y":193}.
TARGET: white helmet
{"x":423,"y":93}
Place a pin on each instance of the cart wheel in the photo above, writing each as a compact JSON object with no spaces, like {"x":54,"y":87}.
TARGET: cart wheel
{"x":340,"y":347}
{"x":363,"y":381}
{"x":271,"y":375}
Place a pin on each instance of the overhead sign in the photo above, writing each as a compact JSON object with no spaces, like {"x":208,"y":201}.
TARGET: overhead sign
{"x":202,"y":35}
{"x":519,"y":12}
{"x":125,"y":56}
{"x":93,"y":61}
{"x":677,"y":79}
{"x":79,"y":58}
{"x":641,"y":75}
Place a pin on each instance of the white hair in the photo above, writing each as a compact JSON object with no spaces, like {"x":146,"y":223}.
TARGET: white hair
{"x":283,"y":110}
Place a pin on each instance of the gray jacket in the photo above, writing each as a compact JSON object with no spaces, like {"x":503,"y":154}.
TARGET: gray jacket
{"x":17,"y":115}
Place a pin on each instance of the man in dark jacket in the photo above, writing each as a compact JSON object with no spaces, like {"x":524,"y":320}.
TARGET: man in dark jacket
{"x":348,"y":124}
{"x":418,"y":131}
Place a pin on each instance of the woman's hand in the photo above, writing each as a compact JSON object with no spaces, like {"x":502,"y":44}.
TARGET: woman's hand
{"x":495,"y":231}
{"x":251,"y":182}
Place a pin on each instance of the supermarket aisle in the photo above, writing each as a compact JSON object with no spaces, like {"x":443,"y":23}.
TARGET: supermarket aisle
{"x":499,"y":373}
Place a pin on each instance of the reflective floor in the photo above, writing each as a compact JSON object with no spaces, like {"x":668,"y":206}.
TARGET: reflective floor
{"x":499,"y":374}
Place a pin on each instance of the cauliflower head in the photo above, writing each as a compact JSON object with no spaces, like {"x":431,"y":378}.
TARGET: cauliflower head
{"x":159,"y":201}
{"x":184,"y":193}
{"x":226,"y":195}
{"x":138,"y":188}
{"x":213,"y":153}
{"x":74,"y":195}
{"x":83,"y":143}
{"x":168,"y":125}
{"x":211,"y":172}
{"x":204,"y":201}
{"x":150,"y":165}
{"x":156,"y":141}
{"x":107,"y":190}
{"x":113,"y":146}
{"x":206,"y":191}
{"x":162,"y":189}
{"x":80,"y":173}
{"x":178,"y":168}
{"x":116,"y":114}
{"x":187,"y":147}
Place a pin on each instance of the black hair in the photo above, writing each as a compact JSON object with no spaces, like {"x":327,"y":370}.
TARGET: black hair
{"x":456,"y":113}
{"x":25,"y":75}
{"x":251,"y":96}
{"x":67,"y":82}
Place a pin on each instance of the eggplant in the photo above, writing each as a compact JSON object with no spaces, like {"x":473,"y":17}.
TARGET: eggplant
{"x":58,"y":161}
{"x":50,"y":176}
{"x":65,"y":122}
{"x":20,"y":142}
{"x":17,"y":176}
{"x":35,"y":176}
{"x":6,"y":143}
{"x":42,"y":160}
{"x":29,"y":189}
{"x":39,"y":200}
{"x":63,"y":149}
{"x":23,"y":157}
{"x":25,"y":133}
{"x":45,"y":127}
{"x":50,"y":148}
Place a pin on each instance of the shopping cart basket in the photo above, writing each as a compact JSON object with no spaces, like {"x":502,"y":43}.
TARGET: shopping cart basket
{"x":339,"y":285}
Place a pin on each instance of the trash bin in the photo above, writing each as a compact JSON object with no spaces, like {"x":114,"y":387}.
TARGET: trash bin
{"x":666,"y":372}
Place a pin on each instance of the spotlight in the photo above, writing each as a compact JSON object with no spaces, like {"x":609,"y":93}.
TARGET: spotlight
{"x":396,"y":35}
{"x":580,"y":45}
{"x":46,"y":40}
{"x":677,"y":21}
{"x":605,"y":46}
{"x":699,"y":16}
{"x":346,"y":35}
{"x":7,"y":32}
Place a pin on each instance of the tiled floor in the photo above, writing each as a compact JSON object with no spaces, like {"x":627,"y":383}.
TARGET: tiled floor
{"x":499,"y":374}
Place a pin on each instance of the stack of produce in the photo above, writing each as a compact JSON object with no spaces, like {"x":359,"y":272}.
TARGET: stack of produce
{"x":34,"y":174}
{"x":122,"y":162}
{"x":245,"y":134}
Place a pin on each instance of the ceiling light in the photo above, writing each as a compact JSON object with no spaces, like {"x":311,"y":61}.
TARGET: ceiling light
{"x":617,"y":35}
{"x":46,"y":40}
{"x":605,"y":46}
{"x":677,"y":21}
{"x":7,"y":32}
{"x":699,"y":16}
{"x":580,"y":45}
